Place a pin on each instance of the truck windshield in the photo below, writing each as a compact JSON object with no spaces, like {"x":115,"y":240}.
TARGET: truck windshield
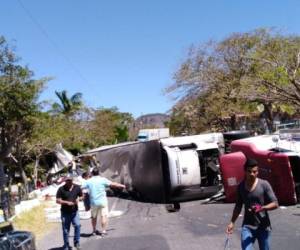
{"x":142,"y":137}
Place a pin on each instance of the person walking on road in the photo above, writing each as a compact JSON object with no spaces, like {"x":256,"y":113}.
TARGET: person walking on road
{"x":257,"y":197}
{"x":68,"y":196}
{"x":99,"y":205}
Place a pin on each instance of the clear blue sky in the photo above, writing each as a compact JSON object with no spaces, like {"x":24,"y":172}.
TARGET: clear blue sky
{"x":124,"y":53}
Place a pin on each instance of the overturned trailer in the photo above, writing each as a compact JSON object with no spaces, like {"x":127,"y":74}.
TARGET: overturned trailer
{"x":278,"y":158}
{"x":169,"y":170}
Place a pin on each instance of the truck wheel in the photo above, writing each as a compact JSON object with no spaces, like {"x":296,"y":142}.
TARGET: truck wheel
{"x":171,"y":208}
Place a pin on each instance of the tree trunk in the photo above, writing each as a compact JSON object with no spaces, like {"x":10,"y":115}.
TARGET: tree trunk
{"x":233,"y":122}
{"x":24,"y":178}
{"x":268,"y":114}
{"x":22,"y":172}
{"x":3,"y":198}
{"x":2,"y":175}
{"x":35,"y":171}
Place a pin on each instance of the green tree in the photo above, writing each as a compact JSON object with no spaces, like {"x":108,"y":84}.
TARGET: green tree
{"x":67,"y":106}
{"x":238,"y":75}
{"x":276,"y":75}
{"x":209,"y":82}
{"x":18,"y":104}
{"x":110,"y":126}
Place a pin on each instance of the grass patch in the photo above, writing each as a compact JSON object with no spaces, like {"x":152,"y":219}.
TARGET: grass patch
{"x":34,"y":221}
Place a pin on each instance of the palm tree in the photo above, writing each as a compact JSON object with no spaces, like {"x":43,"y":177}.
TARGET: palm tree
{"x":67,"y":106}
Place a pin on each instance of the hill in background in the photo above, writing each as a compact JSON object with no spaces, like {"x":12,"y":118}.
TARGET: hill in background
{"x":156,"y":120}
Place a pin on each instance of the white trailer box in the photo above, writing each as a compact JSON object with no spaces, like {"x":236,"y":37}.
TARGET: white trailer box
{"x":153,"y":134}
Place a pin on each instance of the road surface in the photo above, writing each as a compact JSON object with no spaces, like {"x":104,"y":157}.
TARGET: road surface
{"x":142,"y":226}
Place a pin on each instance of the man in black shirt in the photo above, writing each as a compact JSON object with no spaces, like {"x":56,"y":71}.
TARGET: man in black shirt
{"x":68,"y":196}
{"x":257,"y":197}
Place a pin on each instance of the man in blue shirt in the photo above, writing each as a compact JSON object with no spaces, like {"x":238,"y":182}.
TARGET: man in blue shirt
{"x":97,"y":186}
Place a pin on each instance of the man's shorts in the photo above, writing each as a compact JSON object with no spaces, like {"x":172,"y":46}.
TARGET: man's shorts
{"x":99,"y":210}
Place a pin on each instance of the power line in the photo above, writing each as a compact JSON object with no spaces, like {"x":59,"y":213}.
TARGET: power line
{"x":53,"y":43}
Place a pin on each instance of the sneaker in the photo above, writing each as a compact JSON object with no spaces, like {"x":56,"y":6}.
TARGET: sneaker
{"x":103,"y":233}
{"x":94,"y":233}
{"x":77,"y":246}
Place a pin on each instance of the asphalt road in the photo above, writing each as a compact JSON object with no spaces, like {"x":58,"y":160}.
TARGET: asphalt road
{"x":141,"y":226}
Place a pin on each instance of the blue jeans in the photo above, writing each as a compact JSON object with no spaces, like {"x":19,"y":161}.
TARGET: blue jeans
{"x":248,"y":237}
{"x":66,"y":220}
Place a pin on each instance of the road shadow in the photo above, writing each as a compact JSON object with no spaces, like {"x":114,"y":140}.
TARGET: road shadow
{"x":128,"y":243}
{"x":84,"y":235}
{"x":87,"y":235}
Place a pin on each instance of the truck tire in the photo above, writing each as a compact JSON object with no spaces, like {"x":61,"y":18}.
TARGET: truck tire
{"x":175,"y":207}
{"x":234,"y":135}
